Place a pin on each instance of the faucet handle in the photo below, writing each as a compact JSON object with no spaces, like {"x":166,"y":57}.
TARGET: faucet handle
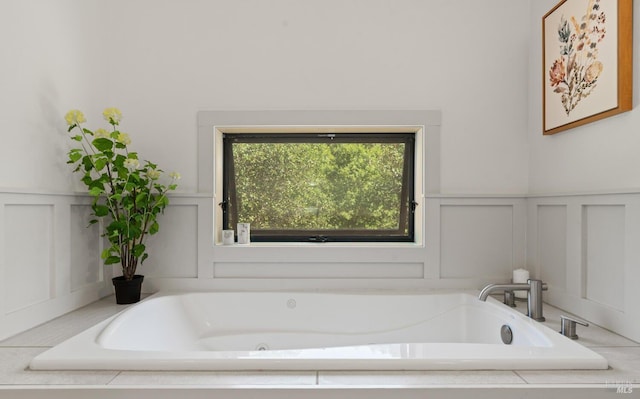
{"x":544,"y":285}
{"x":509,"y":298}
{"x":568,"y":326}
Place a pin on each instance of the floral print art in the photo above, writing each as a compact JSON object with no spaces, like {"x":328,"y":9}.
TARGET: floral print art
{"x":574,"y":74}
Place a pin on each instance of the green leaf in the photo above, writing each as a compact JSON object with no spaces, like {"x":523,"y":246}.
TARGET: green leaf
{"x":103,"y":144}
{"x":74,"y":156}
{"x":77,"y":137}
{"x":154,"y":228}
{"x":100,"y":210}
{"x":119,"y":161}
{"x":86,"y":161}
{"x":105,"y":253}
{"x":112,"y":260}
{"x":138,"y":250}
{"x":96,"y":191}
{"x":87,"y":180}
{"x":141,"y":199}
{"x":134,"y":231}
{"x":100,"y":164}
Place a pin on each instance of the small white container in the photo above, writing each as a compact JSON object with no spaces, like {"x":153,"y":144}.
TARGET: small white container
{"x":520,"y":276}
{"x":227,"y":237}
{"x":244,"y":233}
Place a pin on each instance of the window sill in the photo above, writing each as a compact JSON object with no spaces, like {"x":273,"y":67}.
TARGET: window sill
{"x":324,"y":245}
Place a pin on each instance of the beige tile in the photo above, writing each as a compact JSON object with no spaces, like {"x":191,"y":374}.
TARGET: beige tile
{"x":591,"y":336}
{"x":15,"y":361}
{"x":624,"y":365}
{"x":417,"y":377}
{"x":65,"y":326}
{"x":215,"y":378}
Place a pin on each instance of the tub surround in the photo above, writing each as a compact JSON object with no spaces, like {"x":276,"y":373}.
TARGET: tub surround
{"x":367,"y":330}
{"x":16,"y":353}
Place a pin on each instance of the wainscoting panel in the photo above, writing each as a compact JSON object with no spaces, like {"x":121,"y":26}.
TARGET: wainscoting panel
{"x":84,"y":249}
{"x":29,"y":265}
{"x":584,"y":246}
{"x":481,"y":239}
{"x":604,"y":254}
{"x":174,"y":249}
{"x":49,"y":262}
{"x":552,"y":245}
{"x":319,"y":270}
{"x":476,"y":241}
{"x":587,"y":248}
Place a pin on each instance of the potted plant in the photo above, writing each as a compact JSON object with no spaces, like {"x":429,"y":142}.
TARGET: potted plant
{"x":127,"y":195}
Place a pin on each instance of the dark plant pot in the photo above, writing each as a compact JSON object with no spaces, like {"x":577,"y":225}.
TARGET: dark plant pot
{"x":127,"y":291}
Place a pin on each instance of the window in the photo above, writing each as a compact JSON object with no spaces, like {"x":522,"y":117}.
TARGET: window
{"x":320,"y":187}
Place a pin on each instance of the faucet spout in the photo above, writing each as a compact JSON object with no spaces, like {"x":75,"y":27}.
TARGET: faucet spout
{"x":534,"y":290}
{"x":489,"y":289}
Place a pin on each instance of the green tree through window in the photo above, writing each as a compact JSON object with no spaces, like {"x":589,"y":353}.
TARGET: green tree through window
{"x":320,"y":187}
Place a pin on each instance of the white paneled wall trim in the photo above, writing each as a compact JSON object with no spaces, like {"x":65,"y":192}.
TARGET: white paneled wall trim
{"x":583,"y":245}
{"x":49,"y":262}
{"x":587,"y":248}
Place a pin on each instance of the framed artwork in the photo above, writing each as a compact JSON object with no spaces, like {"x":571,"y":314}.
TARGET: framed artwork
{"x":587,"y":58}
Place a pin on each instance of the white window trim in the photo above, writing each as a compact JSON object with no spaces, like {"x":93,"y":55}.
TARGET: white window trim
{"x":426,"y":124}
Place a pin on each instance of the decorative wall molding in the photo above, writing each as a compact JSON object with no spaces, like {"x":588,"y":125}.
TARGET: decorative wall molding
{"x":584,"y":246}
{"x":49,"y":263}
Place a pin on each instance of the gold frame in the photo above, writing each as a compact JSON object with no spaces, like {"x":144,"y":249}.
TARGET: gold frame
{"x":624,"y":61}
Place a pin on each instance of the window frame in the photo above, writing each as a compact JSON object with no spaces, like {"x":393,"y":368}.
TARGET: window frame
{"x":410,"y":183}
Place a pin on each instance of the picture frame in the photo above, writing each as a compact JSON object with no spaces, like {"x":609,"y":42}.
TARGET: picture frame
{"x":587,"y":62}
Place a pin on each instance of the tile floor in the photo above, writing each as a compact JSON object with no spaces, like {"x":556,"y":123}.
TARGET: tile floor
{"x":16,"y":353}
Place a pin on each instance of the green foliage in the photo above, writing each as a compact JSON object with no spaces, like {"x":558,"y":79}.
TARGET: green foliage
{"x":318,"y":186}
{"x":126,"y":194}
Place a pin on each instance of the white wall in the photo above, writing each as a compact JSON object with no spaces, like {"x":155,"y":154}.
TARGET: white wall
{"x":163,"y":61}
{"x":465,"y":58}
{"x":597,"y":157}
{"x":53,"y":59}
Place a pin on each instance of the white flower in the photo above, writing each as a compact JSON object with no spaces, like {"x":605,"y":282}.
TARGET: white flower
{"x":74,"y":117}
{"x":153,"y":174}
{"x":124,"y":138}
{"x":112,"y":115}
{"x":175,"y":175}
{"x":131,"y":164}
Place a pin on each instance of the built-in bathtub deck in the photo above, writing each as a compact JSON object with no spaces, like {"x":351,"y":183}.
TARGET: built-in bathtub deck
{"x":17,"y":381}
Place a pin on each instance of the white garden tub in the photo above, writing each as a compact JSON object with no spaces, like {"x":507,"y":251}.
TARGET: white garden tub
{"x":317,"y":331}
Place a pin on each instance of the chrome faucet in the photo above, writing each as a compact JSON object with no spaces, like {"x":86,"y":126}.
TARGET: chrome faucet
{"x":534,"y":290}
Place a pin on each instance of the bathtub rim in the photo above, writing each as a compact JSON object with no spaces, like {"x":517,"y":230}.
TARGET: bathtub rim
{"x":82,"y":352}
